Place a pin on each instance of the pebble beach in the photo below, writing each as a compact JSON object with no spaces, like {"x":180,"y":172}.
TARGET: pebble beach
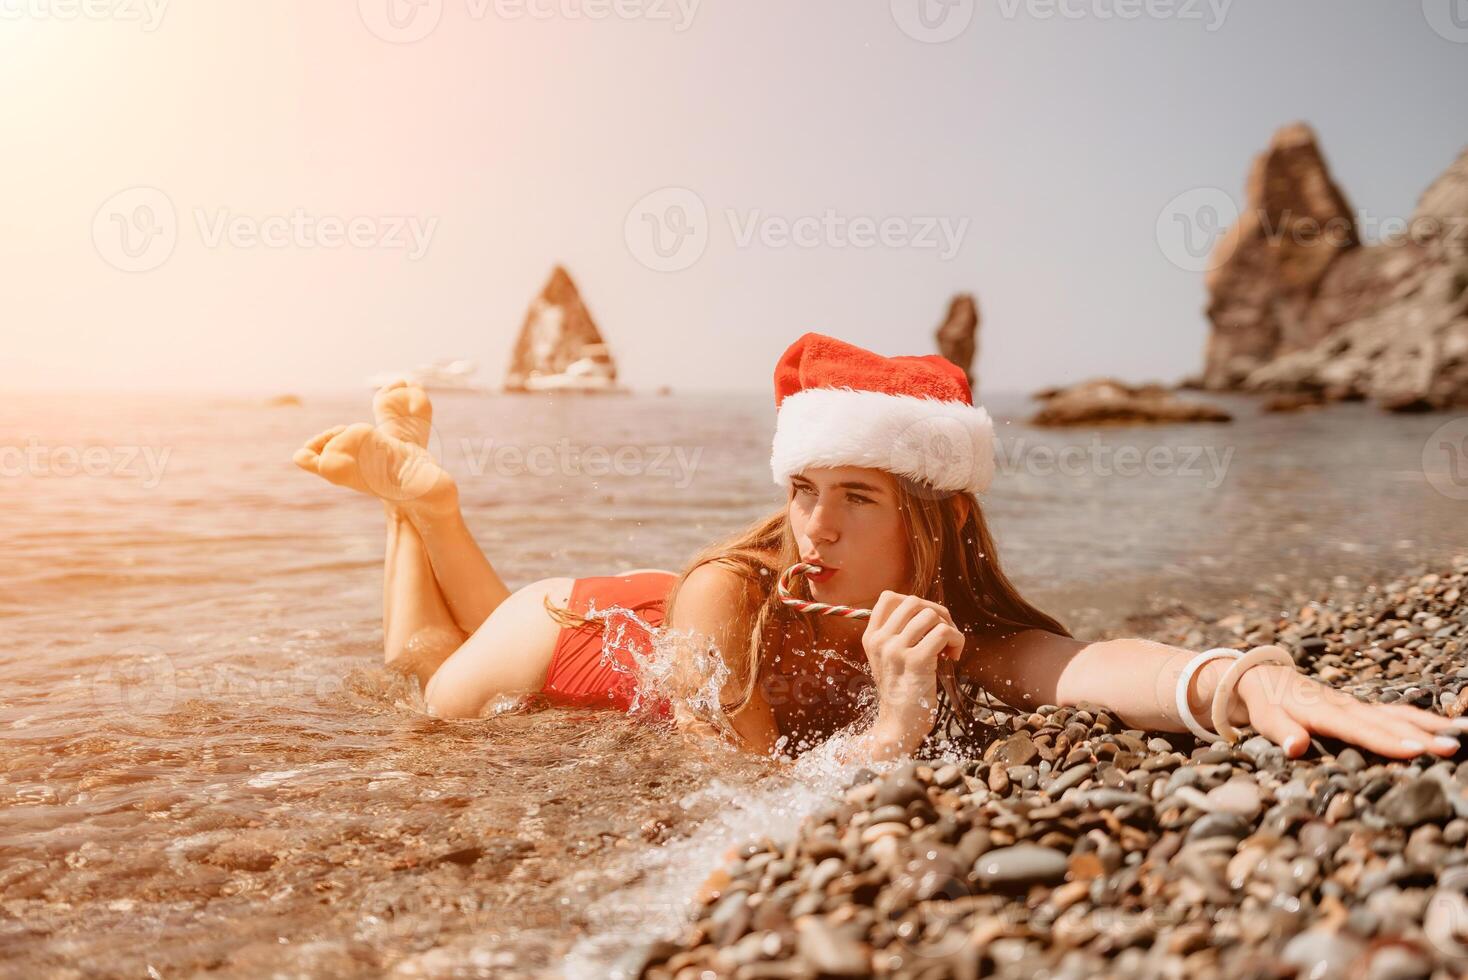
{"x":1077,"y":847}
{"x":204,"y":773}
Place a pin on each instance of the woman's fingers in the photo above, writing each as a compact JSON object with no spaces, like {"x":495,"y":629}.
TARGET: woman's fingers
{"x":921,"y":623}
{"x":1429,"y":720}
{"x":942,"y":611}
{"x":938,"y":642}
{"x":956,"y":643}
{"x":1379,"y":731}
{"x":910,"y":607}
{"x":1410,"y":725}
{"x":1412,"y":731}
{"x":1275,"y":724}
{"x":882,"y":608}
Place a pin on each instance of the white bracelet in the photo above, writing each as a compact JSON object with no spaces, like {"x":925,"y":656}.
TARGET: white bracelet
{"x":1186,"y":677}
{"x":1229,"y":682}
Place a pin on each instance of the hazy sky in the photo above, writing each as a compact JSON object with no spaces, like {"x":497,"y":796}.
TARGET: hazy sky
{"x":286,"y":196}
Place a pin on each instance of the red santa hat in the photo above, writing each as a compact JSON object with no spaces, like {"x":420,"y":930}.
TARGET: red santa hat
{"x":840,"y":405}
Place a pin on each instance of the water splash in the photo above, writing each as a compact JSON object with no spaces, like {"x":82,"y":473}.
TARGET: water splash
{"x":664,"y":896}
{"x":679,"y":668}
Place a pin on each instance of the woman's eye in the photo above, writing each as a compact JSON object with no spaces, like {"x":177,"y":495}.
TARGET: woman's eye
{"x":803,"y":490}
{"x":858,"y":500}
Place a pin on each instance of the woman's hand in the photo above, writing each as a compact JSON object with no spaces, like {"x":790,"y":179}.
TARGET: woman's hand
{"x":1286,"y":706}
{"x":904,"y":639}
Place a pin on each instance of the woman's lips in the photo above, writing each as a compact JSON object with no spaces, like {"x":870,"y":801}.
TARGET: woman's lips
{"x":824,"y":575}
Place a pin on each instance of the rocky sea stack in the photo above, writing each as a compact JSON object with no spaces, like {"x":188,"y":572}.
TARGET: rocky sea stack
{"x":1300,"y":303}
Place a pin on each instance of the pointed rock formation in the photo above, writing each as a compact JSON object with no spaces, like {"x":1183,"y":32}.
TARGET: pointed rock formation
{"x":958,"y":337}
{"x":1393,"y":316}
{"x":1265,"y":271}
{"x":1444,"y":205}
{"x":559,"y":345}
{"x":1300,"y":306}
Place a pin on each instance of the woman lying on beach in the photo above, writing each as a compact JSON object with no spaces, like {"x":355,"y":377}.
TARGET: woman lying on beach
{"x":880,"y":458}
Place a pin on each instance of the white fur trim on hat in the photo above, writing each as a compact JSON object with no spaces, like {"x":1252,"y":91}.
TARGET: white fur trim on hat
{"x":948,"y":445}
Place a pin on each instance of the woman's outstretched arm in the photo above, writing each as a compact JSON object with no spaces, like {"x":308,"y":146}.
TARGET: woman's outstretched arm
{"x":1137,"y":680}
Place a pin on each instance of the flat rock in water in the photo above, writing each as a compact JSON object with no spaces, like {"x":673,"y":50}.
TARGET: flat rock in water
{"x":1112,"y":402}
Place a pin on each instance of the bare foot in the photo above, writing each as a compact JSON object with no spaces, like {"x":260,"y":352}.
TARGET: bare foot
{"x":403,"y":411}
{"x":365,"y":458}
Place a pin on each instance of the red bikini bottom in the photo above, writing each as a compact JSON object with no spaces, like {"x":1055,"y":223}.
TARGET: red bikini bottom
{"x":579,"y":674}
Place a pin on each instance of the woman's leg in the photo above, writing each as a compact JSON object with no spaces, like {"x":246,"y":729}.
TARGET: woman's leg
{"x":466,"y":580}
{"x":419,"y":633}
{"x":443,"y":602}
{"x":508,"y":653}
{"x":389,"y":461}
{"x":469,"y":583}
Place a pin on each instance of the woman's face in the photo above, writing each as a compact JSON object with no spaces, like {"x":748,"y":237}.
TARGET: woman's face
{"x":847,"y":517}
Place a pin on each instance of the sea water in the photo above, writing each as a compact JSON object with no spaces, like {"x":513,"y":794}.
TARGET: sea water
{"x":206,"y":768}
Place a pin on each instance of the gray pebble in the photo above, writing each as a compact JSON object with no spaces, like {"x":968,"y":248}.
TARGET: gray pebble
{"x":1021,"y":864}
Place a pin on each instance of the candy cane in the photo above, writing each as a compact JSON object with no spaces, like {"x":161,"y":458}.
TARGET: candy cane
{"x":805,"y":605}
{"x":946,"y":677}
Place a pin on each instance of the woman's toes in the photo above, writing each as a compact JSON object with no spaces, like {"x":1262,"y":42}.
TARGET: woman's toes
{"x":318,"y":442}
{"x":337,"y":460}
{"x":308,"y":457}
{"x":369,"y":459}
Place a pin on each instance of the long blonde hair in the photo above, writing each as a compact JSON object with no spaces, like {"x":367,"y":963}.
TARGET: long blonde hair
{"x":954,"y":563}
